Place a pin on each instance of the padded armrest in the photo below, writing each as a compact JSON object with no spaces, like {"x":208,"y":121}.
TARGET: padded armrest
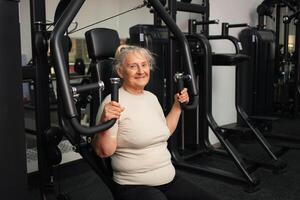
{"x":228,"y":59}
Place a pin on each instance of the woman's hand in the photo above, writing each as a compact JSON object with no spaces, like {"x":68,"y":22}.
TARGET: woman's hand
{"x":112,"y":110}
{"x":174,"y":114}
{"x":182,"y":97}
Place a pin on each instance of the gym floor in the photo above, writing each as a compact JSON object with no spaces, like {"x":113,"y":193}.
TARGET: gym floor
{"x":79,"y":182}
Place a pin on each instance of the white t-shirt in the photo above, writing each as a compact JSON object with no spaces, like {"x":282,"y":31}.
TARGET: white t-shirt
{"x":141,"y":157}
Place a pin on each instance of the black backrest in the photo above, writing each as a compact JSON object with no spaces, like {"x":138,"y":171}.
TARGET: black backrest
{"x":102,"y":43}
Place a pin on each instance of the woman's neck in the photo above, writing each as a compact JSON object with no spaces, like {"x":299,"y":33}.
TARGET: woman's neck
{"x":131,"y":90}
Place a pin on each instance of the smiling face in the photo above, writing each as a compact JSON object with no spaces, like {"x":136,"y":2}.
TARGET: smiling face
{"x":135,"y":71}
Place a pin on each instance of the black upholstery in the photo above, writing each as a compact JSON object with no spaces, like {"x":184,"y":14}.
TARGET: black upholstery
{"x":102,"y":43}
{"x":228,"y":59}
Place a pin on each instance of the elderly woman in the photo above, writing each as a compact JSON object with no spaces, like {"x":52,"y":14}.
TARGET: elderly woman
{"x":137,"y":143}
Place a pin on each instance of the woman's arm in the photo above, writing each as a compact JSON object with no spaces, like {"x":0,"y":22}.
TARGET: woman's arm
{"x":105,"y":143}
{"x":175,"y":112}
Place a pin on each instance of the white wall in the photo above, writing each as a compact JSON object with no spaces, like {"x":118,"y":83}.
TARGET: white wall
{"x":25,"y":30}
{"x":232,"y":11}
{"x":223,"y":93}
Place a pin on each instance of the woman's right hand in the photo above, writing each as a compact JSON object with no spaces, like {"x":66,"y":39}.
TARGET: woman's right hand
{"x":111,"y":110}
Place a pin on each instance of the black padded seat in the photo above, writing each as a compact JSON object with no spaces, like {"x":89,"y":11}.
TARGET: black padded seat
{"x":228,"y":59}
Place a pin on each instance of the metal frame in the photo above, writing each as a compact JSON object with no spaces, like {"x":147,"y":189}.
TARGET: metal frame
{"x":72,"y":128}
{"x":42,"y":105}
{"x":282,"y":139}
{"x":203,"y":145}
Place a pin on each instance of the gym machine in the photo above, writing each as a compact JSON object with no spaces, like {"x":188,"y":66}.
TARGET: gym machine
{"x":256,"y":77}
{"x":78,"y":135}
{"x":156,"y":39}
{"x":201,"y":156}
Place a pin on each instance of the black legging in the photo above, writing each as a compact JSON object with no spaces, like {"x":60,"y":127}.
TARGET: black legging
{"x":178,"y":189}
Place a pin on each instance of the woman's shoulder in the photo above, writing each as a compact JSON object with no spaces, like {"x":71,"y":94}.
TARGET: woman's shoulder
{"x":150,"y":94}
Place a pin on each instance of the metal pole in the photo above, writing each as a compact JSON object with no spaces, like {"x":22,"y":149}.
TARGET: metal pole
{"x":42,"y":107}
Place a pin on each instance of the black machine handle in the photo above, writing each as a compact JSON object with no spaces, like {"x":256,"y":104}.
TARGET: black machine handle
{"x":236,"y":25}
{"x":163,"y":14}
{"x":180,"y":78}
{"x":215,"y":21}
{"x":287,"y":19}
{"x":89,"y":131}
{"x":61,"y":73}
{"x":227,"y":26}
{"x":88,"y":87}
{"x":225,"y":36}
{"x":232,"y":39}
{"x":193,"y":23}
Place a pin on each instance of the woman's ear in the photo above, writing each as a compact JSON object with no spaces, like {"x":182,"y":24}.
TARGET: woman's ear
{"x":120,"y":72}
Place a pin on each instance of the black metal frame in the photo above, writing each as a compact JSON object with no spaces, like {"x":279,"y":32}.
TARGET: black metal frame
{"x":241,"y":112}
{"x":69,"y":121}
{"x":61,"y":73}
{"x":204,"y":146}
{"x":282,"y":139}
{"x":42,"y":105}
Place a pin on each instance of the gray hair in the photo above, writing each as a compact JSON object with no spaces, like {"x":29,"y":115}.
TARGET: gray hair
{"x":124,"y":50}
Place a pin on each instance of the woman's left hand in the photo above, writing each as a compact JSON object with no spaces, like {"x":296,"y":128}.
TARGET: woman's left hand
{"x":182,"y":97}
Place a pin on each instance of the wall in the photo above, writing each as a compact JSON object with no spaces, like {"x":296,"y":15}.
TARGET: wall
{"x":25,"y":30}
{"x":223,"y":94}
{"x":95,"y":10}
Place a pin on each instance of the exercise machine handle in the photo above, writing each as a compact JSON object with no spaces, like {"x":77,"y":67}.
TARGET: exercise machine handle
{"x":88,"y":87}
{"x":233,"y":40}
{"x":115,"y":82}
{"x":61,"y":73}
{"x":227,"y":26}
{"x":215,"y":21}
{"x":180,"y":78}
{"x":237,"y":25}
{"x":89,"y":131}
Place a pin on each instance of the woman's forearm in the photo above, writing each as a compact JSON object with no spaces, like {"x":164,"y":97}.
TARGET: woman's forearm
{"x":104,"y":144}
{"x":173,"y":117}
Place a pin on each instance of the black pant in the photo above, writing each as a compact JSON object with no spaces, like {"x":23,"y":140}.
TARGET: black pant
{"x":178,"y":189}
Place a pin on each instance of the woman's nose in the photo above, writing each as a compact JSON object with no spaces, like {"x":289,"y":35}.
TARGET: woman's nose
{"x":139,"y":69}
